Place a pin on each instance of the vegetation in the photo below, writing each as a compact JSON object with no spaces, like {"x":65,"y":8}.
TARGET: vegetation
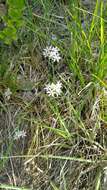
{"x":53,"y":95}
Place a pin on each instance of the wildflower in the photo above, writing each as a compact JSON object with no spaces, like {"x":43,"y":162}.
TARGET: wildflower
{"x":19,"y":134}
{"x":52,"y":53}
{"x":53,"y":89}
{"x":7,"y":93}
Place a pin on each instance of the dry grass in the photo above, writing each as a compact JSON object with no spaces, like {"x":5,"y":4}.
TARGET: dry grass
{"x":65,"y":143}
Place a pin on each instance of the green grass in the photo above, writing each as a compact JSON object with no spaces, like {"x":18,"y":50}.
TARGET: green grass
{"x":2,"y":186}
{"x":65,"y":145}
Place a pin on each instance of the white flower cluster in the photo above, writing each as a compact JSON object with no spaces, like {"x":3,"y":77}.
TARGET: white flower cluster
{"x":52,"y":53}
{"x":53,"y":89}
{"x":19,"y":134}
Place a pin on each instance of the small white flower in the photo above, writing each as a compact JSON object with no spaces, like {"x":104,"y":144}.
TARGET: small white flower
{"x":19,"y":134}
{"x":53,"y":89}
{"x":52,"y":53}
{"x":7,"y":93}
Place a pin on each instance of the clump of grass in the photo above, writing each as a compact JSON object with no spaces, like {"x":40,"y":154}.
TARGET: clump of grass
{"x":62,"y":144}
